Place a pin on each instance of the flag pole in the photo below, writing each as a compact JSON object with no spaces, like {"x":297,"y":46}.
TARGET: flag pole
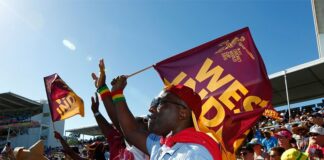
{"x":287,"y":94}
{"x":142,"y":70}
{"x":53,"y":126}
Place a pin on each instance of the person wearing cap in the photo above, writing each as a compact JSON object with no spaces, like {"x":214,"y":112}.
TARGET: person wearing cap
{"x":259,"y":154}
{"x":294,"y":154}
{"x":284,"y":136}
{"x":171,"y":123}
{"x":300,"y":135}
{"x":269,"y":141}
{"x":120,"y":148}
{"x":316,"y":142}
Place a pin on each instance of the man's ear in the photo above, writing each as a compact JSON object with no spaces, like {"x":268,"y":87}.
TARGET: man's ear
{"x":184,"y":113}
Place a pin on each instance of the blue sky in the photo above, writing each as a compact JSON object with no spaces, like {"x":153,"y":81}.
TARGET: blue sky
{"x":131,"y":35}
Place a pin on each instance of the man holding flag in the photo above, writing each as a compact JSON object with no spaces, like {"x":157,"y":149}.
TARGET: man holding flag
{"x":175,"y":136}
{"x":227,"y":73}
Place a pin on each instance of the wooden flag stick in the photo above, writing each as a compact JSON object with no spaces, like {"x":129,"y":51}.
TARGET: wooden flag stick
{"x":142,"y":70}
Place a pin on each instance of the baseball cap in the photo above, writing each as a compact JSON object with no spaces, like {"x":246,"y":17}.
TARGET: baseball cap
{"x":283,"y":133}
{"x":316,"y":129}
{"x":191,"y":98}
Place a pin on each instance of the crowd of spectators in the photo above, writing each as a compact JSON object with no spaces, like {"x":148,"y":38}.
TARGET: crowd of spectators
{"x":299,"y":137}
{"x":81,"y":147}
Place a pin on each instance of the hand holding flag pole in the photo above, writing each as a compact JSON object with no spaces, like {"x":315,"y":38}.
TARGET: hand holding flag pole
{"x":222,"y":61}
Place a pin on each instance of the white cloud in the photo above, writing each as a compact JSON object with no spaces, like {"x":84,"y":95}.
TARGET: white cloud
{"x":68,"y":44}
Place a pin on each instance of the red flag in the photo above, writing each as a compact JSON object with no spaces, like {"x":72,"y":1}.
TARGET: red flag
{"x":229,"y":75}
{"x":63,"y":102}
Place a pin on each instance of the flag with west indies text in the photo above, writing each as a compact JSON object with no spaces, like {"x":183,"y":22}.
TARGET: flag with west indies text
{"x":229,"y":75}
{"x":63,"y":102}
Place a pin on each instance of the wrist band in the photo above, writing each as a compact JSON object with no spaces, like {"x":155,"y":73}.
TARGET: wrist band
{"x":96,"y":114}
{"x":117,"y":96}
{"x":103,"y":91}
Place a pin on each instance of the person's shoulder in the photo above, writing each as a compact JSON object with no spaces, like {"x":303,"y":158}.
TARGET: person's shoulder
{"x":194,"y":151}
{"x":196,"y":148}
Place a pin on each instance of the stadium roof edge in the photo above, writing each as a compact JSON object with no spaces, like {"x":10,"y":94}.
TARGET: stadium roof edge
{"x":23,"y":98}
{"x":13,"y":104}
{"x":297,"y":68}
{"x":305,"y":82}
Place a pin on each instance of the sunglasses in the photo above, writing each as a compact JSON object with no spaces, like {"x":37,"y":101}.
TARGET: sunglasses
{"x":244,"y":153}
{"x":163,"y":102}
{"x":313,"y":134}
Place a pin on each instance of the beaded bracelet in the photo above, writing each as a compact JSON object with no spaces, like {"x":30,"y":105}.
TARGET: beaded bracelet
{"x":103,"y":91}
{"x":117,"y":96}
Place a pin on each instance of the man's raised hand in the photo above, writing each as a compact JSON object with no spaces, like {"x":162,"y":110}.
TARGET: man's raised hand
{"x":95,"y":104}
{"x":102,"y":77}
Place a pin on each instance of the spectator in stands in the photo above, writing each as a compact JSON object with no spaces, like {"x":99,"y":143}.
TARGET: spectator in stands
{"x":119,"y":148}
{"x":7,"y":153}
{"x":95,"y":151}
{"x":316,"y":119}
{"x":293,"y":143}
{"x":276,"y":152}
{"x":303,"y":118}
{"x":299,"y":134}
{"x":269,"y":141}
{"x":258,"y":134}
{"x":316,"y":142}
{"x":247,"y":153}
{"x":259,"y":154}
{"x":173,"y":119}
{"x":284,"y":136}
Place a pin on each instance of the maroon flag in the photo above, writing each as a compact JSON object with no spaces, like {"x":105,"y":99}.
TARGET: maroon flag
{"x":63,"y":102}
{"x":229,"y":75}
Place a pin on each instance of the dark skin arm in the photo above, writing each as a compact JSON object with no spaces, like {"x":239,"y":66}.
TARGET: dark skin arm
{"x":128,"y":124}
{"x":107,"y":101}
{"x":66,"y":147}
{"x":104,"y":126}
